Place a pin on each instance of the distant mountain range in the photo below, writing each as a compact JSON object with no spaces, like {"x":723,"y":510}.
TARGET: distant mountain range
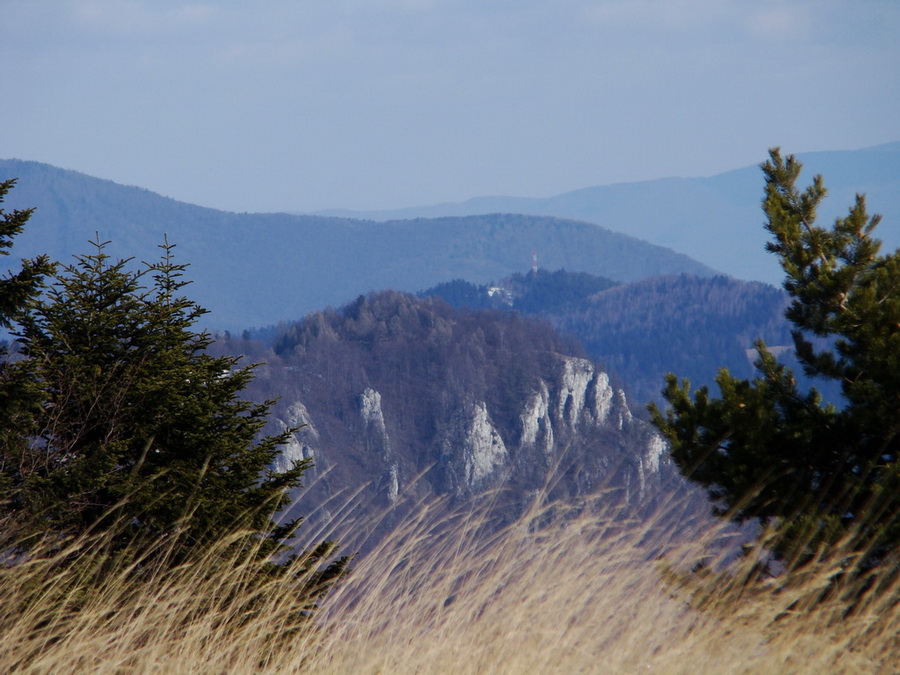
{"x":257,"y":269}
{"x":715,"y":220}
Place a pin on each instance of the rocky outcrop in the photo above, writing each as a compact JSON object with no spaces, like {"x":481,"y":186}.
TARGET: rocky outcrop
{"x":406,"y":399}
{"x":303,"y":442}
{"x":537,"y":425}
{"x":378,"y":442}
{"x":373,"y":417}
{"x":653,"y":453}
{"x":483,"y":451}
{"x":576,"y":411}
{"x":582,"y":397}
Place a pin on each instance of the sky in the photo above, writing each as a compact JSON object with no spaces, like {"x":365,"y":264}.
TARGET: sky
{"x":304,"y":105}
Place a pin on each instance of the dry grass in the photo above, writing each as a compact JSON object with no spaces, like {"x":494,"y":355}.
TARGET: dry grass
{"x":579,"y":593}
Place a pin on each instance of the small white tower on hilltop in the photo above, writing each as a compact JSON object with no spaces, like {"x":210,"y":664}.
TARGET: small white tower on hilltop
{"x":534,"y":262}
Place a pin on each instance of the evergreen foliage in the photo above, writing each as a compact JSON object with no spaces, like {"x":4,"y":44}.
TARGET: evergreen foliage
{"x":764,"y":448}
{"x":20,"y":398}
{"x":134,"y":429}
{"x":16,"y":289}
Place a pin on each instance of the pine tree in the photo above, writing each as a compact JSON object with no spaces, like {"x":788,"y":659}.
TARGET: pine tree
{"x":142,"y":432}
{"x":764,"y":449}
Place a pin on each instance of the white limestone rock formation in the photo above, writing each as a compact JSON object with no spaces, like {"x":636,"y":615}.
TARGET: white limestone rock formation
{"x":650,"y":458}
{"x":303,"y":443}
{"x":622,"y":411}
{"x":484,"y":451}
{"x":378,"y":441}
{"x":581,"y":398}
{"x":600,"y":399}
{"x":537,"y":425}
{"x":376,"y":435}
{"x":577,"y":375}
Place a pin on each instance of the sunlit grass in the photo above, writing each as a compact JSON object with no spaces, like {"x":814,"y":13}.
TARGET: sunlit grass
{"x":560,"y":590}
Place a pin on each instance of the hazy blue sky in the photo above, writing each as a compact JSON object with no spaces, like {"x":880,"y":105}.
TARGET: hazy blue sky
{"x":295,"y":104}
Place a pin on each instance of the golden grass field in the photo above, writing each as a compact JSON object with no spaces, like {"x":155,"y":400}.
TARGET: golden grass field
{"x":584,"y":593}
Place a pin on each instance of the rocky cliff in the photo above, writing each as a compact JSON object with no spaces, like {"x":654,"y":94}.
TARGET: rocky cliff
{"x":404,"y":398}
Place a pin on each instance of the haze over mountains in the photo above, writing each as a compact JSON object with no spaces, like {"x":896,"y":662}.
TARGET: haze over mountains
{"x":257,"y":269}
{"x":715,"y":220}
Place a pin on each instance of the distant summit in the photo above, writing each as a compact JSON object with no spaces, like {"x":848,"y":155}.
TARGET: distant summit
{"x":715,"y":220}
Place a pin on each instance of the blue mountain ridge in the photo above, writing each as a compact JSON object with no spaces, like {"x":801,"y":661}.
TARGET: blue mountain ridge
{"x":258,"y":269}
{"x":715,"y":220}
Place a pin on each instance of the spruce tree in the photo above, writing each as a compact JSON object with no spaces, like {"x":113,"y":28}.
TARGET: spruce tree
{"x":20,"y":398}
{"x":141,"y":432}
{"x":820,"y":473}
{"x":16,"y":289}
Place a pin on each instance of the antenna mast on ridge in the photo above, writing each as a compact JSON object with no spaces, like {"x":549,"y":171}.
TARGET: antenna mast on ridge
{"x":534,"y":262}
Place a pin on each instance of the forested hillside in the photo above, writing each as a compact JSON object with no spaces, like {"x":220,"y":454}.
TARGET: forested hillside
{"x":538,"y":292}
{"x":413,"y":399}
{"x":689,"y":325}
{"x":641,"y":331}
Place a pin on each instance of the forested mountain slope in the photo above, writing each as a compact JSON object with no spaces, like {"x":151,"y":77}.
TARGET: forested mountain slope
{"x":411,"y":398}
{"x":641,"y":331}
{"x":687,"y":325}
{"x":256,"y":269}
